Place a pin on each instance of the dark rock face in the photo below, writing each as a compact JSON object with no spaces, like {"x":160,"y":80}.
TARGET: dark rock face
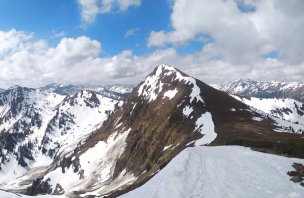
{"x":39,"y":187}
{"x":8,"y":142}
{"x":25,"y":152}
{"x":300,"y":109}
{"x":297,"y":175}
{"x":15,"y":102}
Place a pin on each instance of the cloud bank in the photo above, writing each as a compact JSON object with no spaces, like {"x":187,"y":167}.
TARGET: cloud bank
{"x":29,"y":62}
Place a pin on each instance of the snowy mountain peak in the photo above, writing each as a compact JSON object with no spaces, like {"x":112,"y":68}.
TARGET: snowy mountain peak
{"x":163,"y":71}
{"x":156,"y":82}
{"x":165,"y":82}
{"x":89,"y":98}
{"x":17,"y":88}
{"x":14,"y":87}
{"x":165,"y":68}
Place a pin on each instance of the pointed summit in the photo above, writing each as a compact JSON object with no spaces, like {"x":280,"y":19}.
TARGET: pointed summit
{"x":167,"y":81}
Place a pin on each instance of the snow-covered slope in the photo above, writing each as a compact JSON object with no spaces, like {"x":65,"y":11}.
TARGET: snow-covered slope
{"x":37,"y":126}
{"x":96,"y":166}
{"x":287,"y":112}
{"x":222,"y":171}
{"x":25,"y":114}
{"x":75,"y":118}
{"x":262,"y":89}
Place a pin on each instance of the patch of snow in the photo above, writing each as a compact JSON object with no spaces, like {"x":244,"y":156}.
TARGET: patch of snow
{"x":64,"y":179}
{"x":187,"y":111}
{"x":166,"y":147}
{"x":118,"y":125}
{"x":190,"y":143}
{"x":170,"y":94}
{"x":205,"y":126}
{"x":257,"y":118}
{"x":124,"y":178}
{"x":280,"y":130}
{"x":122,"y":89}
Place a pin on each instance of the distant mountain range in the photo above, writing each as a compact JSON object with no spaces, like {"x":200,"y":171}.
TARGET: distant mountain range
{"x":63,"y":89}
{"x":171,"y":136}
{"x":264,"y":89}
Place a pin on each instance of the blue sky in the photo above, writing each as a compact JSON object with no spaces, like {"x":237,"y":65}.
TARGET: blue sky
{"x":46,"y":18}
{"x":121,"y":41}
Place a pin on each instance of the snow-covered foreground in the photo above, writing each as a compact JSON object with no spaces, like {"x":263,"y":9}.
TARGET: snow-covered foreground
{"x":222,"y":172}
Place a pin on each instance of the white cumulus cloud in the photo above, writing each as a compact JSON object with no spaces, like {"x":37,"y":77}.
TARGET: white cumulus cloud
{"x":89,"y":9}
{"x":239,"y":35}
